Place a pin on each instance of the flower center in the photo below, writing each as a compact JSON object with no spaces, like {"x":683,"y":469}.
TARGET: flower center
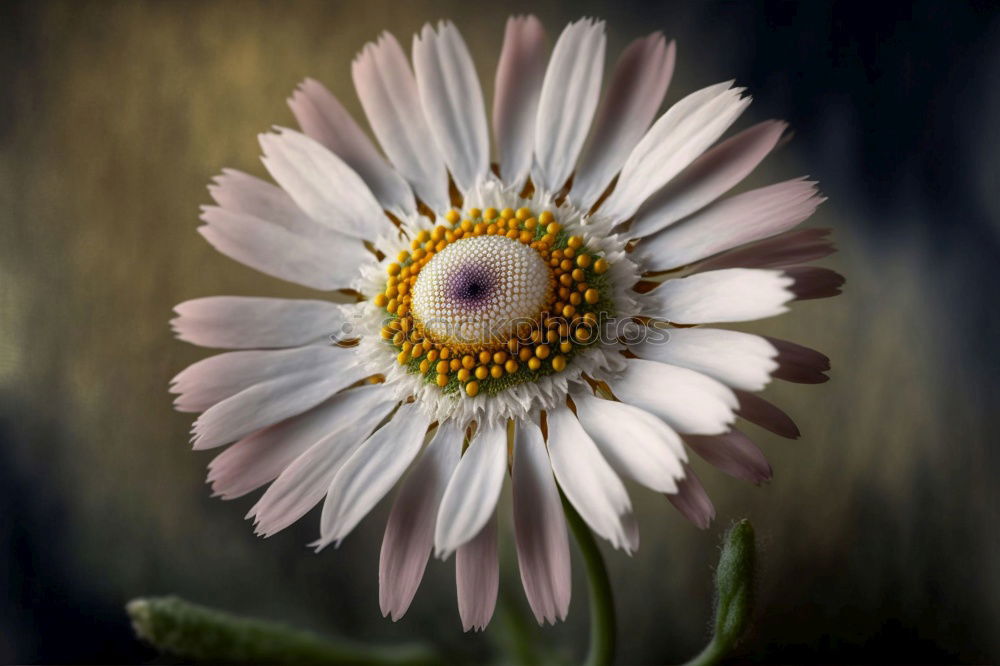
{"x":475,"y":292}
{"x":493,"y":300}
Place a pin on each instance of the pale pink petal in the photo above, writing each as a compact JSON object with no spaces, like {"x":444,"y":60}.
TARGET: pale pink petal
{"x":688,"y":401}
{"x":324,"y":118}
{"x":239,"y":192}
{"x":370,"y":473}
{"x":707,"y":178}
{"x":787,"y":249}
{"x":732,"y":453}
{"x":388,"y":93}
{"x":727,"y":295}
{"x":239,"y":322}
{"x":452,"y":100}
{"x":540,"y":527}
{"x":326,"y":260}
{"x":259,"y":458}
{"x":589,"y":483}
{"x":692,"y":500}
{"x":477,"y":577}
{"x":569,"y":96}
{"x":473,"y":490}
{"x":759,"y":411}
{"x":681,"y":134}
{"x":515,"y":99}
{"x":409,"y":533}
{"x":731,"y":222}
{"x":276,"y":399}
{"x":630,"y":103}
{"x":212,"y":380}
{"x":301,"y":486}
{"x":323,"y":185}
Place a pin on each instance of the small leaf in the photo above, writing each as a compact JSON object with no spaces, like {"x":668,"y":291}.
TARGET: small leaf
{"x":734,"y":583}
{"x":201,"y":634}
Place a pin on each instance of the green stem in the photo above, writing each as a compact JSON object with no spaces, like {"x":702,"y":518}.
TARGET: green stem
{"x":201,"y":634}
{"x":602,"y":608}
{"x":711,"y":655}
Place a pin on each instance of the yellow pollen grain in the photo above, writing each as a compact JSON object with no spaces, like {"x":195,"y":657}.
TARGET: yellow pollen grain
{"x":472,"y":389}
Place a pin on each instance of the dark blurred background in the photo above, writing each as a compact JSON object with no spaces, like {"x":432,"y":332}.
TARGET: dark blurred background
{"x":879,"y":533}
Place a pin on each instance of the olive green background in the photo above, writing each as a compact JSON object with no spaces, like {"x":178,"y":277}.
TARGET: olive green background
{"x":878,"y":534}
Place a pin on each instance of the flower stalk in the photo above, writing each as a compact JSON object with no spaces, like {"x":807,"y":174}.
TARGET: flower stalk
{"x":602,"y":608}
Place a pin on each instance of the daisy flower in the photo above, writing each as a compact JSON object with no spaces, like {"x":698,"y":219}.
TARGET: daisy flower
{"x":538,"y":316}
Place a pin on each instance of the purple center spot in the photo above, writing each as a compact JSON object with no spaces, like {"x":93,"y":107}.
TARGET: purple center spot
{"x":471,"y":285}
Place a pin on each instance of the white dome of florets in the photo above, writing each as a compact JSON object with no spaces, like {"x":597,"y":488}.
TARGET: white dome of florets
{"x":477,"y":290}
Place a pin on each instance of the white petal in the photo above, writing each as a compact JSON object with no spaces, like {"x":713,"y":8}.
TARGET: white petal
{"x":276,"y":399}
{"x":473,"y":489}
{"x":477,"y":577}
{"x":707,"y":178}
{"x":689,"y":402}
{"x":328,"y":261}
{"x":568,"y":99}
{"x":352,"y":416}
{"x":739,"y":360}
{"x":734,"y":454}
{"x":635,"y":443}
{"x":692,"y":500}
{"x":515,"y":98}
{"x":744,"y":218}
{"x":238,"y":322}
{"x":540,"y":527}
{"x":788,"y":249}
{"x":589,"y":483}
{"x":222,"y":376}
{"x":239,"y":192}
{"x":681,"y":134}
{"x":388,"y":93}
{"x":409,"y":533}
{"x":453,"y":102}
{"x":323,"y":185}
{"x":630,"y":103}
{"x":370,"y":472}
{"x":730,"y":294}
{"x":324,"y":118}
{"x":260,"y":458}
